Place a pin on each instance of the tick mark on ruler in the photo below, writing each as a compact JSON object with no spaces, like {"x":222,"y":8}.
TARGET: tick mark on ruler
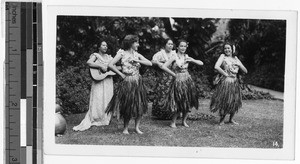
{"x":14,"y":108}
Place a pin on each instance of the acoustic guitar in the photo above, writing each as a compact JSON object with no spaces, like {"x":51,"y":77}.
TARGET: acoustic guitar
{"x":97,"y":75}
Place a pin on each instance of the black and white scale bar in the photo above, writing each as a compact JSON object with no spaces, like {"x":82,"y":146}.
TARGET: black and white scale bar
{"x":39,"y":116}
{"x":13,"y":90}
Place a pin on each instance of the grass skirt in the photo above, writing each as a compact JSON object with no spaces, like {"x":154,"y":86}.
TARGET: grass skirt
{"x":227,"y":97}
{"x":183,"y":94}
{"x":129,"y":99}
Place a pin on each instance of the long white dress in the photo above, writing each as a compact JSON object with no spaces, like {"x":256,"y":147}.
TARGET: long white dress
{"x":100,"y":95}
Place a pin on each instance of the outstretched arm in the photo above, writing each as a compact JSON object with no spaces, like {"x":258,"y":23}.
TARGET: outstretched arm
{"x":157,"y":63}
{"x":155,"y":60}
{"x":192,"y":60}
{"x":143,"y":60}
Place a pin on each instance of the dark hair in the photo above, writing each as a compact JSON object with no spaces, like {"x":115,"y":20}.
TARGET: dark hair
{"x":98,"y":45}
{"x":165,"y":41}
{"x":128,"y":41}
{"x":182,"y":40}
{"x":232,"y":47}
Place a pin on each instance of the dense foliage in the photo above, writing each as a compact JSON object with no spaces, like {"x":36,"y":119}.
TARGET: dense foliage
{"x":78,"y":37}
{"x":261,"y":44}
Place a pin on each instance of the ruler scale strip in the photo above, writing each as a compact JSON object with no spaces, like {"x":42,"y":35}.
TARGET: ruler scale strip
{"x":29,"y":60}
{"x":23,"y":80}
{"x":39,"y":84}
{"x":34,"y":78}
{"x":24,"y":83}
{"x":6,"y":135}
{"x":23,"y":132}
{"x":23,"y":51}
{"x":13,"y":66}
{"x":29,"y":95}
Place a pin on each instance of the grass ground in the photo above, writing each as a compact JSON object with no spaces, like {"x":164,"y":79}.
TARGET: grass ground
{"x":260,"y":126}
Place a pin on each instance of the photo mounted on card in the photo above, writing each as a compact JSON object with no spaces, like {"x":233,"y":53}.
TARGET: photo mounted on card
{"x":163,"y":82}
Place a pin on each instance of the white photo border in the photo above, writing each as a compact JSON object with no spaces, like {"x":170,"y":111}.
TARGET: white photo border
{"x":49,"y":51}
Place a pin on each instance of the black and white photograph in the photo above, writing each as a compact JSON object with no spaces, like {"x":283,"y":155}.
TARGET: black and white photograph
{"x":170,"y":82}
{"x":191,"y":82}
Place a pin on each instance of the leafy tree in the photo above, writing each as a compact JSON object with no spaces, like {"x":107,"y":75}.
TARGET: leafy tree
{"x":198,"y":32}
{"x":261,"y":45}
{"x":77,"y":38}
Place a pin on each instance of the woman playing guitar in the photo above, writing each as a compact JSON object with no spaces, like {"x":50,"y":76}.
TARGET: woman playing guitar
{"x":101,"y":90}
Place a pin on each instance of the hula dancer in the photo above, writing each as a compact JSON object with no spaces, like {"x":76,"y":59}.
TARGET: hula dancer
{"x":163,"y":80}
{"x":130,"y":98}
{"x":183,"y":93}
{"x":227,"y":97}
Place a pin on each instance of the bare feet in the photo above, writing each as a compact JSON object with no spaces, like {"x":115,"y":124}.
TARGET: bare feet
{"x":173,"y":125}
{"x":185,"y":124}
{"x":222,"y":117}
{"x":233,"y":122}
{"x":221,"y":123}
{"x":125,"y":131}
{"x":138,"y":131}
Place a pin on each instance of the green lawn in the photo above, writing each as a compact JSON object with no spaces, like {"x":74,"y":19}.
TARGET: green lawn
{"x":260,"y":124}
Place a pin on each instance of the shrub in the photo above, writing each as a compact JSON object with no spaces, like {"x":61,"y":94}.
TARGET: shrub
{"x":251,"y":94}
{"x":74,"y":83}
{"x":72,"y":87}
{"x":267,"y":76}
